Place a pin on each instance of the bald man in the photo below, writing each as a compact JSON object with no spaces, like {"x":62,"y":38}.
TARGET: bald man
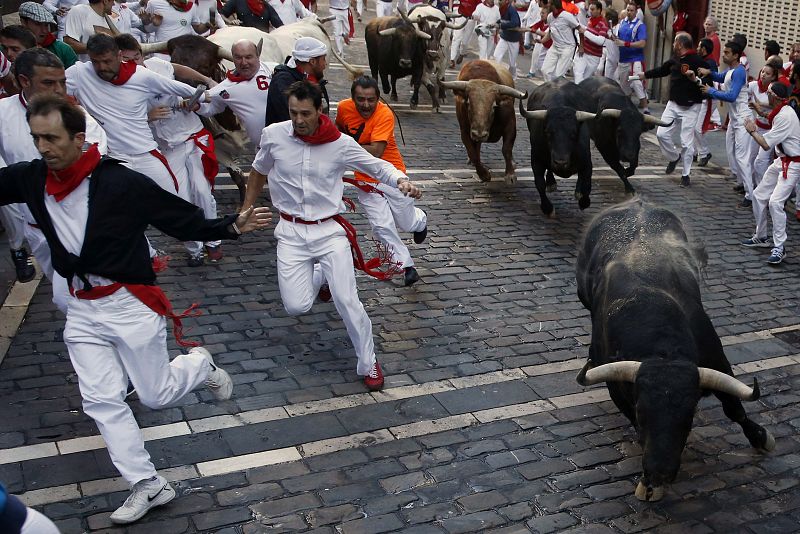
{"x":244,"y":89}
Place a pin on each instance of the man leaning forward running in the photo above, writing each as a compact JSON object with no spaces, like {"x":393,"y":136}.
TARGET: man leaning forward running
{"x":305,"y":159}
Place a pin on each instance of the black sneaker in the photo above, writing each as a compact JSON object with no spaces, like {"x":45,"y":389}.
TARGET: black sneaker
{"x":671,"y":166}
{"x":411,"y":276}
{"x":739,"y":189}
{"x":746,"y":203}
{"x":685,"y":181}
{"x":195,"y":261}
{"x":755,"y":241}
{"x":420,"y":236}
{"x":703,"y":161}
{"x":777,"y":256}
{"x":23,"y":265}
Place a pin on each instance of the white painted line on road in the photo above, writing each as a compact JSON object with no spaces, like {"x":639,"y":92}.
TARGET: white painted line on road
{"x":248,"y":461}
{"x":13,"y":310}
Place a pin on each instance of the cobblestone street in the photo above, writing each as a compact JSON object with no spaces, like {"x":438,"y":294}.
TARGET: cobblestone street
{"x":481,"y":426}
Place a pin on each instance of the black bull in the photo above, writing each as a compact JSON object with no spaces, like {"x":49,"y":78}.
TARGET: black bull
{"x":652,"y":341}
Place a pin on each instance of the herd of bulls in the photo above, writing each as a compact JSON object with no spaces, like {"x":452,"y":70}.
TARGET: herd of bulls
{"x":637,"y":271}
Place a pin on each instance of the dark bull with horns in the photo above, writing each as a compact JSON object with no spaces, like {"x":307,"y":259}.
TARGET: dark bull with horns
{"x":652,"y":341}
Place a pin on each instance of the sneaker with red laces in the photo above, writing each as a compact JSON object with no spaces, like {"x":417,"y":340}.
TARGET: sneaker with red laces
{"x":374,"y":379}
{"x":214,"y":253}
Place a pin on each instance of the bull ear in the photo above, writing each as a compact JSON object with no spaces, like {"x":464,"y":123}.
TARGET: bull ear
{"x":260,"y":46}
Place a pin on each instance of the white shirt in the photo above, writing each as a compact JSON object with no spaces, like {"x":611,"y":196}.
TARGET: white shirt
{"x":785,"y":131}
{"x":484,"y":14}
{"x":174,"y":23}
{"x":754,"y":94}
{"x":204,"y":8}
{"x":16,"y":143}
{"x":738,"y":110}
{"x":247,"y":99}
{"x":124,"y":18}
{"x":306,"y":180}
{"x":122,"y":109}
{"x":175,"y":130}
{"x":290,"y":10}
{"x":80,"y":23}
{"x":562,"y":28}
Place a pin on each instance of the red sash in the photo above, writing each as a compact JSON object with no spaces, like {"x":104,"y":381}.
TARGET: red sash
{"x":158,"y":155}
{"x":152,"y":297}
{"x":205,"y":142}
{"x":785,"y":161}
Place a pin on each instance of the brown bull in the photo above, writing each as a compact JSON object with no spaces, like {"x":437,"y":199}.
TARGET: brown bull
{"x":485,"y":109}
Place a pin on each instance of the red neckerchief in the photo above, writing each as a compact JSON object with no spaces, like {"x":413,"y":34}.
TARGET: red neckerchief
{"x":256,"y":6}
{"x":126,"y":70}
{"x":61,"y":183}
{"x":185,"y":7}
{"x":504,"y":9}
{"x":762,"y":87}
{"x":232,"y":76}
{"x":775,"y":111}
{"x":48,"y":40}
{"x":326,"y":132}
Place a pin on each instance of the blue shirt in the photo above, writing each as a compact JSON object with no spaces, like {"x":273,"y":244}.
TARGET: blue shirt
{"x":738,"y":80}
{"x":631,"y":31}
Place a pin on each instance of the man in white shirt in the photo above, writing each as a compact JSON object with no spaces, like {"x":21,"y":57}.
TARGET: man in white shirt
{"x":341,"y":24}
{"x":244,"y":90}
{"x":38,"y":72}
{"x":290,"y":10}
{"x":781,"y":177}
{"x":173,"y":18}
{"x":487,"y":20}
{"x":187,"y":145}
{"x":83,"y":21}
{"x":561,"y":29}
{"x":60,"y":8}
{"x":305,"y":159}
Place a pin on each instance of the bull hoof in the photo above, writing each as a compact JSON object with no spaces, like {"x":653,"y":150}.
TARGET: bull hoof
{"x":510,"y":179}
{"x":630,"y":193}
{"x":412,"y":105}
{"x":584,"y":202}
{"x":552,"y":187}
{"x":629,"y":172}
{"x":485,"y":177}
{"x":437,"y":110}
{"x":769,"y":442}
{"x":649,"y":493}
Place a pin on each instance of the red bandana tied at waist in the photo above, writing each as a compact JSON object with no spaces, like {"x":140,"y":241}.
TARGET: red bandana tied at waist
{"x":151,"y":296}
{"x":256,"y":6}
{"x":205,"y":142}
{"x":48,"y":40}
{"x":61,"y":183}
{"x":326,"y":132}
{"x":126,"y":70}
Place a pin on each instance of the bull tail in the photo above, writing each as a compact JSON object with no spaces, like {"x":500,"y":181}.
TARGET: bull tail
{"x":397,"y":118}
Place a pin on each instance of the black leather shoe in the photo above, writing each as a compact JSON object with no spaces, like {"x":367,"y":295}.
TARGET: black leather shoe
{"x":704,"y":160}
{"x":324,"y":293}
{"x":685,"y":181}
{"x":411,"y":276}
{"x":22,"y":264}
{"x":420,"y":236}
{"x":745,"y":204}
{"x":671,"y":166}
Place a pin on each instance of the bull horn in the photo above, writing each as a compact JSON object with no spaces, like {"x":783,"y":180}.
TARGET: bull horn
{"x":323,"y":20}
{"x":111,"y":26}
{"x":455,"y":85}
{"x":456,"y":26}
{"x":609,"y":372}
{"x":152,"y":48}
{"x":583,"y":116}
{"x":649,"y":119}
{"x":611,"y":113}
{"x":450,"y":15}
{"x":388,"y":31}
{"x":538,"y":114}
{"x":510,"y":91}
{"x":404,"y":15}
{"x":355,"y":72}
{"x":422,"y":34}
{"x":223,"y":53}
{"x":725,"y":383}
{"x":259,"y":46}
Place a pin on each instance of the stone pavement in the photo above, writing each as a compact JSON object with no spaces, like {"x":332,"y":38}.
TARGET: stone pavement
{"x":481,"y":427}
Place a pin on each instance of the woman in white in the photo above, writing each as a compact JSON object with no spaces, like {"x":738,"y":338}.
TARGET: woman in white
{"x":758,"y":101}
{"x":487,"y":18}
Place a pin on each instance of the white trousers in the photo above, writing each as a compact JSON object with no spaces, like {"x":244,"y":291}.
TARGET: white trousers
{"x":508,"y":50}
{"x":360,"y":6}
{"x":485,"y":46}
{"x":461,"y":38}
{"x":557,"y":62}
{"x":700,"y":142}
{"x":387,"y":214}
{"x":773,"y":191}
{"x":760,"y":159}
{"x":687,"y":117}
{"x":585,"y":66}
{"x":111,"y":340}
{"x":149,"y":165}
{"x":341,"y":28}
{"x":383,"y":9}
{"x":300,"y":246}
{"x":14,"y":223}
{"x":629,"y":69}
{"x":538,"y":56}
{"x":186,"y":162}
{"x":737,"y":147}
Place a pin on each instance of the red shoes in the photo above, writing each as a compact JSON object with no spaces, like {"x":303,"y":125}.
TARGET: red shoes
{"x":374,"y":380}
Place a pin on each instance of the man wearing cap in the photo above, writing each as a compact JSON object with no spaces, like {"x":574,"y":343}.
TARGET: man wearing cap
{"x":305,"y":159}
{"x":38,"y":20}
{"x":244,"y":90}
{"x":308,"y":62}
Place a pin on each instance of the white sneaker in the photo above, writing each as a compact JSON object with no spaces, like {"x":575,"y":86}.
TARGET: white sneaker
{"x":219,"y":382}
{"x":145,"y":494}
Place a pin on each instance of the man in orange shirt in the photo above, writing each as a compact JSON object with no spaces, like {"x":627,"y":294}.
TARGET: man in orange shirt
{"x":371,"y":123}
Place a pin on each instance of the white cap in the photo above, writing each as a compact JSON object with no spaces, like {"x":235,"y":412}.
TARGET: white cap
{"x":305,"y":49}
